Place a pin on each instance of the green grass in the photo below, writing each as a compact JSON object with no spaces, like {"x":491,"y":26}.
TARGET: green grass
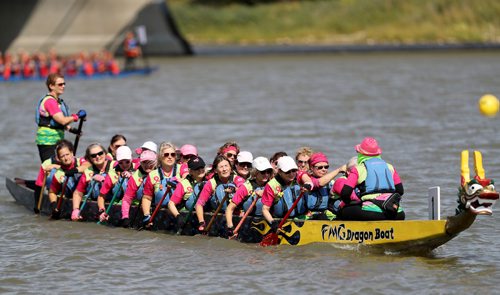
{"x":340,"y":22}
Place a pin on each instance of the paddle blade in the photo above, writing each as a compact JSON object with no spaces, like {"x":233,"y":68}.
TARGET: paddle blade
{"x":270,"y":239}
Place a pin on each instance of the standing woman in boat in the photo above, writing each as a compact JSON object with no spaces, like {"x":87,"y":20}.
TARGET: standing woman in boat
{"x":53,"y":117}
{"x":223,"y":182}
{"x":116,"y":180}
{"x":188,"y":190}
{"x":253,"y":188}
{"x":161,"y":181}
{"x":71,"y":167}
{"x":378,"y":183}
{"x":318,"y":182}
{"x":135,"y":185}
{"x":281,"y":192}
{"x":92,"y":178}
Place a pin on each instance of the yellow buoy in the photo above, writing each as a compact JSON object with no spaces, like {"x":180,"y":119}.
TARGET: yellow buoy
{"x":488,"y":105}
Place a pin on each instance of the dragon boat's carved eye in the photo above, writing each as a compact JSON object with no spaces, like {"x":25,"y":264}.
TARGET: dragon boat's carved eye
{"x":491,"y":187}
{"x":474,"y":188}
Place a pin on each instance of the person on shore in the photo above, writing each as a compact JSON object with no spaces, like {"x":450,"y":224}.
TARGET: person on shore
{"x":65,"y":177}
{"x":243,"y":164}
{"x":135,"y":186}
{"x":377,"y":183}
{"x":252,"y":188}
{"x":161,"y":181}
{"x":319,"y":183}
{"x":188,"y":190}
{"x":223,"y":182}
{"x":117,"y":141}
{"x":302,"y":157}
{"x":116,"y":180}
{"x":281,"y":192}
{"x":131,"y":49}
{"x":53,"y":117}
{"x":92,"y":178}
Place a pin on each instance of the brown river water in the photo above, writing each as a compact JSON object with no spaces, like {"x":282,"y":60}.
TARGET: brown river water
{"x":422,"y":108}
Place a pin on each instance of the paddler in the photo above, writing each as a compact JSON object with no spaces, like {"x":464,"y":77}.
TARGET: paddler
{"x":376,"y":182}
{"x":53,"y":117}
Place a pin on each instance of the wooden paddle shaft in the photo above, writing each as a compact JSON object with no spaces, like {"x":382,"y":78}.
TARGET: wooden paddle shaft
{"x":237,"y":228}
{"x":216,"y":212}
{"x":41,"y":191}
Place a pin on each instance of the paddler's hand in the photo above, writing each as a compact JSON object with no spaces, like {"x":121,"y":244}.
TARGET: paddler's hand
{"x":98,"y":178}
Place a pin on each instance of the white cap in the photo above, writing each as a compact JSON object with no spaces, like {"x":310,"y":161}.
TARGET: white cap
{"x":244,"y":157}
{"x":286,"y":163}
{"x":123,"y":153}
{"x":150,"y":146}
{"x":262,"y":164}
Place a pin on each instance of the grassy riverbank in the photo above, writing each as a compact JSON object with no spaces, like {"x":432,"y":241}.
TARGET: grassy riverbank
{"x":336,"y":22}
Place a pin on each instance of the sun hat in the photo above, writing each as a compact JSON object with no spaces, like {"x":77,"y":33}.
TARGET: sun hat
{"x":123,"y":153}
{"x":196,"y":163}
{"x":244,"y":157}
{"x":262,"y":164}
{"x":368,"y":147}
{"x":188,"y":149}
{"x":286,"y":163}
{"x":317,"y":158}
{"x":148,"y":145}
{"x":148,"y":155}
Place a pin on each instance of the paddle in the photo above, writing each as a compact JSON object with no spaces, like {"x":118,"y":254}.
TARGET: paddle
{"x":75,"y":146}
{"x":188,"y":216}
{"x":87,"y":195}
{"x":272,"y":238}
{"x":158,"y":206}
{"x":115,"y":195}
{"x":207,"y":229}
{"x":78,"y":134}
{"x":250,"y":209}
{"x":45,"y":175}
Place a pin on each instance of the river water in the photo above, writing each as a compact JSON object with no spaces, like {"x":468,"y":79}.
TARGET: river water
{"x":422,"y":108}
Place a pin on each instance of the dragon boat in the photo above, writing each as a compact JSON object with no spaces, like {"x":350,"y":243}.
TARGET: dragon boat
{"x":140,"y":71}
{"x":476,"y":196}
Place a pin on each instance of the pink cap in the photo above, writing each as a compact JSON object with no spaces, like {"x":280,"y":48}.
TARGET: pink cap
{"x":368,"y":147}
{"x":317,"y":158}
{"x":123,"y":153}
{"x":188,"y":149}
{"x":148,"y":155}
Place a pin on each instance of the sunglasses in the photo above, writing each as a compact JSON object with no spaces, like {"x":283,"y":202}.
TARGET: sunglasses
{"x":290,"y":171}
{"x":322,"y":167}
{"x":247,"y":165}
{"x":172,"y":155}
{"x":61,"y":84}
{"x":230,"y":155}
{"x":302,"y":162}
{"x":268,"y":171}
{"x":93,"y":156}
{"x":188,"y":156}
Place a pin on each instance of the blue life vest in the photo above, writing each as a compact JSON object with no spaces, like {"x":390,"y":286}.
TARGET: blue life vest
{"x":379,"y":178}
{"x":189,"y":203}
{"x":219,"y":193}
{"x":95,"y":190}
{"x":164,"y":183}
{"x":290,"y":194}
{"x":49,"y":121}
{"x":121,"y":188}
{"x":71,"y":185}
{"x":317,"y":200}
{"x":257,"y":211}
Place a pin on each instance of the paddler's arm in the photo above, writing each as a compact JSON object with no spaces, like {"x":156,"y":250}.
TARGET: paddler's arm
{"x":325,"y":179}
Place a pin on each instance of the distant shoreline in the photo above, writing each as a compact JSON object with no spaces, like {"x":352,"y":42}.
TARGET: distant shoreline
{"x":204,"y":50}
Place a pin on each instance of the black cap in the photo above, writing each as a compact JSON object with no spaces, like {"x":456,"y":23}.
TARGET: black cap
{"x":196,"y":163}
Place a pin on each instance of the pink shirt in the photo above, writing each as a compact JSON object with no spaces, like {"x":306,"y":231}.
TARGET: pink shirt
{"x":55,"y":186}
{"x":107,"y":185}
{"x":240,"y":195}
{"x":179,"y":193}
{"x":184,"y":170}
{"x":51,"y":107}
{"x":208,"y":190}
{"x":130,"y":194}
{"x":268,"y":196}
{"x":315,"y":180}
